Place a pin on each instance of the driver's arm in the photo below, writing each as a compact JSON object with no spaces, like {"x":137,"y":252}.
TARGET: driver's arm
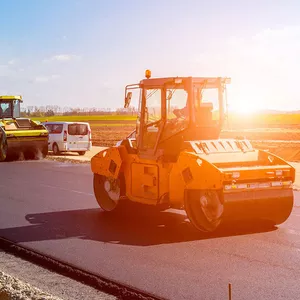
{"x":182,"y":112}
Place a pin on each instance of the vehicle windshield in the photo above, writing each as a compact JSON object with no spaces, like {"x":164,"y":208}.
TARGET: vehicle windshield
{"x":175,"y":113}
{"x":204,"y":112}
{"x":153,"y":105}
{"x":175,"y":107}
{"x":6,"y":109}
{"x":206,"y":104}
{"x":177,"y":103}
{"x":169,"y":108}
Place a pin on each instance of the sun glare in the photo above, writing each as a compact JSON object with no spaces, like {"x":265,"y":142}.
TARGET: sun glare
{"x":246,"y":105}
{"x":246,"y":109}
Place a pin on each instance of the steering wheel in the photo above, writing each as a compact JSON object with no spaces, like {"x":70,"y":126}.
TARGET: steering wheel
{"x":153,"y":124}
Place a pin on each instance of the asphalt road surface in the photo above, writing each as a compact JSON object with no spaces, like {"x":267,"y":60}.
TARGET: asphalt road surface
{"x":50,"y":206}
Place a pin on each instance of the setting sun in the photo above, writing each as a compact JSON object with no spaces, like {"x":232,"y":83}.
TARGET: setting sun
{"x":245,"y":101}
{"x":246,"y":109}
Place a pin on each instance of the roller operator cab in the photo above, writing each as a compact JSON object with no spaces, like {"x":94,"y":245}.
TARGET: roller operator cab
{"x":175,"y":159}
{"x":20,"y":136}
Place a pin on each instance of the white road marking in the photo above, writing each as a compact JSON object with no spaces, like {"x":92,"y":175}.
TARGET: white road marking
{"x":292,"y":231}
{"x":63,"y":189}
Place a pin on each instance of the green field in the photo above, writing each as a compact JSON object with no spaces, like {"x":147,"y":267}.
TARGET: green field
{"x":250,"y":120}
{"x":100,"y":118}
{"x":103,"y":124}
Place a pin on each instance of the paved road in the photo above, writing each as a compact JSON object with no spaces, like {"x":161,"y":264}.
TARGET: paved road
{"x":49,"y":206}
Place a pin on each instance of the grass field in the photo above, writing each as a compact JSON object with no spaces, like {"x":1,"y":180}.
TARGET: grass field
{"x":87,"y":118}
{"x":244,"y":120}
{"x":108,"y":129}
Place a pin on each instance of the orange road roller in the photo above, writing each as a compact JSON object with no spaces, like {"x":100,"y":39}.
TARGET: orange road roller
{"x":176,"y":159}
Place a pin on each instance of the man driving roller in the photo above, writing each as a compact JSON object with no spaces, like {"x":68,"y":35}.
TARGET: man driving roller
{"x":181,"y":112}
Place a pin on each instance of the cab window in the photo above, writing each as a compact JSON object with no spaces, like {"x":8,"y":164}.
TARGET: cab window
{"x":48,"y":127}
{"x":152,"y":117}
{"x":5,"y":109}
{"x":54,"y":128}
{"x":57,"y":128}
{"x":77,"y":129}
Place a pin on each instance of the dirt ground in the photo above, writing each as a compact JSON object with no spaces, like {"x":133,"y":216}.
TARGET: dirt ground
{"x":287,"y":134}
{"x":105,"y":133}
{"x":284,"y":142}
{"x":108,"y":135}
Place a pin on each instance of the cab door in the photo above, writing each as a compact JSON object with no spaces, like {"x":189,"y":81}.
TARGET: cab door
{"x":145,"y":171}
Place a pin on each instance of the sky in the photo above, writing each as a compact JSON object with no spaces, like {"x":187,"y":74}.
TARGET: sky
{"x":82,"y":53}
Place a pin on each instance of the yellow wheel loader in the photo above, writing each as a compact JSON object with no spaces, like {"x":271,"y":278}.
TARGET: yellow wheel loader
{"x":175,"y":159}
{"x":20,"y":136}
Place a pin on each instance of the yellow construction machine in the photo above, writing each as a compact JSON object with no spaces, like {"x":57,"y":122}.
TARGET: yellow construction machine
{"x":20,"y":136}
{"x":175,"y":159}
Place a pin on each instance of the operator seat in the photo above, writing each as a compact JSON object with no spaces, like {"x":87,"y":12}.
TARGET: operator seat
{"x":204,"y":114}
{"x":206,"y":127}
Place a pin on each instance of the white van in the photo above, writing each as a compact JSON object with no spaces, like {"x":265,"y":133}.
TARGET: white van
{"x":69,"y":137}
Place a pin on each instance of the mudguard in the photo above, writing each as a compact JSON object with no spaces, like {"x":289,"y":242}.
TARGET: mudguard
{"x":108,"y":162}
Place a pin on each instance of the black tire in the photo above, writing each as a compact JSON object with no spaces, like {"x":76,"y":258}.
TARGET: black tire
{"x":36,"y":153}
{"x":3,"y":150}
{"x":205,"y":210}
{"x":45,"y":151}
{"x":55,"y":149}
{"x":81,"y":152}
{"x":105,"y":202}
{"x":3,"y":145}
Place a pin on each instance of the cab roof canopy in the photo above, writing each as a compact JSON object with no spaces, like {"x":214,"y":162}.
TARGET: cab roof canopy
{"x":11,"y":98}
{"x":207,"y":82}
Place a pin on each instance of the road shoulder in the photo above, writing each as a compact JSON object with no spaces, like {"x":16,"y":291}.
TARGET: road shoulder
{"x":51,"y":286}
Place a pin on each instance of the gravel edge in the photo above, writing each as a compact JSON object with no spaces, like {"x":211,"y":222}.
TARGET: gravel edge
{"x":12,"y":288}
{"x":40,"y":282}
{"x":107,"y":287}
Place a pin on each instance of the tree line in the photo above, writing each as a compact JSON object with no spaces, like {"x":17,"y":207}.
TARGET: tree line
{"x":55,"y":110}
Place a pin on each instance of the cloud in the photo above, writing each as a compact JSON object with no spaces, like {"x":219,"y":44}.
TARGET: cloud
{"x":55,"y":76}
{"x":63,"y":57}
{"x":46,"y":78}
{"x":263,"y":68}
{"x":284,"y":33}
{"x":41,"y":79}
{"x":8,"y":69}
{"x":11,"y":62}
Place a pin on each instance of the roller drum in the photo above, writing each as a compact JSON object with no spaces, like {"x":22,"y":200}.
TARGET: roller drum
{"x":207,"y":210}
{"x":272,"y":205}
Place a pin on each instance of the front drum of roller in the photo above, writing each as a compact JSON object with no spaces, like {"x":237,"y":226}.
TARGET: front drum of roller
{"x":271,"y":205}
{"x":207,"y":210}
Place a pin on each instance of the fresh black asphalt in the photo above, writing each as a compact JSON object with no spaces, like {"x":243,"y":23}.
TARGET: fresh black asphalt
{"x":49,"y":206}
